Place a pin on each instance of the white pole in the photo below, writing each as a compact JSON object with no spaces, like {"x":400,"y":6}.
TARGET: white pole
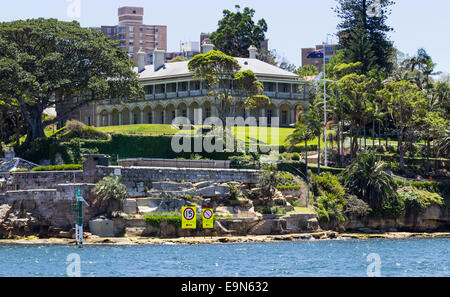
{"x":325,"y":100}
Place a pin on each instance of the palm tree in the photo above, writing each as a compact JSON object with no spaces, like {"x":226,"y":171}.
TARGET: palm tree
{"x":444,"y":143}
{"x":366,"y":178}
{"x":109,"y":195}
{"x":302,"y":133}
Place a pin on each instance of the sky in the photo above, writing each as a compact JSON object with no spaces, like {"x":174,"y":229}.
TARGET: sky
{"x":293,"y":24}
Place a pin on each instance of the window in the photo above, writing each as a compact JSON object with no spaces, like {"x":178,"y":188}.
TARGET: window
{"x":131,"y":29}
{"x":173,"y":115}
{"x":141,"y":29}
{"x":141,"y":35}
{"x":208,"y":112}
{"x":134,"y":11}
{"x":131,"y":35}
{"x":131,"y":42}
{"x":150,"y":117}
{"x":156,"y":30}
{"x":156,"y":43}
{"x":184,"y":113}
{"x":156,"y":36}
{"x":141,"y":42}
{"x":131,"y":49}
{"x":284,"y":117}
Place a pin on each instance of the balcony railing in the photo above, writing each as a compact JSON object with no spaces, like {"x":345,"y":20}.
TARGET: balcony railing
{"x":171,"y":95}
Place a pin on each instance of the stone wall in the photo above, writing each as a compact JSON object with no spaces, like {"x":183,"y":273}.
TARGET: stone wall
{"x":175,"y":163}
{"x":43,"y":212}
{"x":42,"y":180}
{"x":139,"y":178}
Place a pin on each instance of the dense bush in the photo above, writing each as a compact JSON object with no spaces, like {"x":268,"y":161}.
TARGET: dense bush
{"x":85,"y":133}
{"x":66,"y":167}
{"x":109,"y":195}
{"x":131,"y":146}
{"x":294,"y":167}
{"x":331,"y":196}
{"x":418,"y":200}
{"x":155,"y":219}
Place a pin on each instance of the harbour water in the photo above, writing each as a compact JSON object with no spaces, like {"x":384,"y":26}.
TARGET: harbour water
{"x":405,"y":257}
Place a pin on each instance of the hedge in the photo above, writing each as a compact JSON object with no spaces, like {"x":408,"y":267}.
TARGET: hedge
{"x":67,"y":167}
{"x":159,"y":147}
{"x":294,"y":167}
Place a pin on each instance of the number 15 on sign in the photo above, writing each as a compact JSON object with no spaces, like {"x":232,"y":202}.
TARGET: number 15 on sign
{"x":188,"y":218}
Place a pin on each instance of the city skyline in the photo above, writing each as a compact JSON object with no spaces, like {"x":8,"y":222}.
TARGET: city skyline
{"x":308,"y":29}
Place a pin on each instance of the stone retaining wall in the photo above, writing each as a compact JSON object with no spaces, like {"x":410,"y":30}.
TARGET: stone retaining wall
{"x":43,"y":180}
{"x":165,"y":163}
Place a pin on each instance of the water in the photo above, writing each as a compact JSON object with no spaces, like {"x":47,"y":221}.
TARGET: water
{"x":409,"y":257}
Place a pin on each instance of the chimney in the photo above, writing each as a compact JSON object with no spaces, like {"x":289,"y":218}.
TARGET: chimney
{"x":158,"y":58}
{"x":207,"y":46}
{"x":141,"y":60}
{"x":252,"y":50}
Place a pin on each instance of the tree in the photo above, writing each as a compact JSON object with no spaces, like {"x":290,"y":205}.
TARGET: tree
{"x":44,"y":62}
{"x":358,"y":92}
{"x":228,"y":87}
{"x":444,"y":143}
{"x":268,"y":181}
{"x":302,"y":133}
{"x":406,"y":104}
{"x":307,"y":70}
{"x":364,"y":33}
{"x":178,"y":59}
{"x":366,"y":179}
{"x":109,"y":195}
{"x":237,"y":31}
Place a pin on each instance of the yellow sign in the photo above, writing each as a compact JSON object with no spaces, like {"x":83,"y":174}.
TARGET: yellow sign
{"x":208,"y":218}
{"x":188,"y":218}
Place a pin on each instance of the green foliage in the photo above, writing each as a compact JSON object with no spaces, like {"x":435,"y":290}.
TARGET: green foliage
{"x":234,"y":192}
{"x":65,"y":167}
{"x":366,"y":179}
{"x":237,"y":31}
{"x":286,"y":179}
{"x":290,"y":188}
{"x":109,"y":195}
{"x":178,"y":59}
{"x":418,"y":200}
{"x":331,"y":198}
{"x":155,"y":219}
{"x":364,"y":37}
{"x":39,"y":58}
{"x":307,"y":70}
{"x":296,"y":157}
{"x":268,"y":181}
{"x":356,"y":207}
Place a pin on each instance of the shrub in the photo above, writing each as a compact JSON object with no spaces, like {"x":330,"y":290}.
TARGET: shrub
{"x":356,"y":207}
{"x":74,"y":125}
{"x":366,"y":179}
{"x":418,"y":200}
{"x":155,"y":219}
{"x":289,"y":188}
{"x":331,"y":198}
{"x":65,"y":167}
{"x":296,"y":157}
{"x":109,"y":195}
{"x":234,"y":192}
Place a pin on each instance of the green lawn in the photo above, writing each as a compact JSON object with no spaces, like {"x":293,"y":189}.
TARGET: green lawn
{"x":300,"y":210}
{"x":142,"y":130}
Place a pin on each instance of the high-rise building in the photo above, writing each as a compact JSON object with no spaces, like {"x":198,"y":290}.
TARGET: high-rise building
{"x":330,"y":50}
{"x":133,"y":34}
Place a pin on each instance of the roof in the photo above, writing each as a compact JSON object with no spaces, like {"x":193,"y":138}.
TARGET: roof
{"x":180,"y":69}
{"x":16,"y":163}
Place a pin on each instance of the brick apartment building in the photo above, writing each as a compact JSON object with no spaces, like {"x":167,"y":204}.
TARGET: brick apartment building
{"x":330,"y":51}
{"x":133,"y":34}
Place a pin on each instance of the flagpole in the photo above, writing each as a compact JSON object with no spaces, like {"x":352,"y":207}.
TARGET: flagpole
{"x":325,"y":100}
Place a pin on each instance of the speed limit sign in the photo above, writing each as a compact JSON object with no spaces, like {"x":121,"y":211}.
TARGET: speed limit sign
{"x":189,"y":218}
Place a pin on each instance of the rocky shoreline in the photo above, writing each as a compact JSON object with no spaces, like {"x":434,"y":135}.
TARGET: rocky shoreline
{"x":327,"y":235}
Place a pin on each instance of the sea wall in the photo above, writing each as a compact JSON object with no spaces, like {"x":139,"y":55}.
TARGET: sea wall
{"x":43,"y":212}
{"x":432,"y":219}
{"x":18,"y":181}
